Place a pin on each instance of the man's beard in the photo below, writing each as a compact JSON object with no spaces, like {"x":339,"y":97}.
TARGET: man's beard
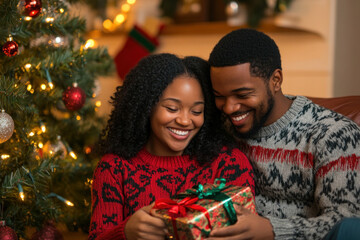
{"x":256,"y":124}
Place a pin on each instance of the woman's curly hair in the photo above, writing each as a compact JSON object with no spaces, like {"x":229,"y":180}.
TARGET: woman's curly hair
{"x":128,"y":127}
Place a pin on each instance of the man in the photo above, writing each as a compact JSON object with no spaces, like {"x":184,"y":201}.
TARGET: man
{"x":306,"y":158}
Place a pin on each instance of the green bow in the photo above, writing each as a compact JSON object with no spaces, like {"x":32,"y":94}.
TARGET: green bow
{"x":217,"y":195}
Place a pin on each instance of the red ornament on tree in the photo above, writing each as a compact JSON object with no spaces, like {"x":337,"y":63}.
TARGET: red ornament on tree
{"x":74,"y":98}
{"x":48,"y":232}
{"x":7,"y":233}
{"x":33,"y":8}
{"x":10,"y":48}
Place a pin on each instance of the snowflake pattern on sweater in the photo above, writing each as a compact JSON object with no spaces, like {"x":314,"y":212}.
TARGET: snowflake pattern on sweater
{"x":121,"y":187}
{"x":307,"y":170}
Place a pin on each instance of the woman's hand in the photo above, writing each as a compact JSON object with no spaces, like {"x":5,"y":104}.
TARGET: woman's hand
{"x":141,"y":225}
{"x":248,"y":226}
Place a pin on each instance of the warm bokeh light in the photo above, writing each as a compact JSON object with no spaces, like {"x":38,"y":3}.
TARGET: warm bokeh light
{"x":98,"y":103}
{"x":78,"y":117}
{"x":27,"y":18}
{"x":88,"y":150}
{"x":119,"y":19}
{"x":27,"y":66}
{"x":107,"y":24}
{"x":90,"y":43}
{"x":22,"y":196}
{"x":73,"y":155}
{"x":49,"y":19}
{"x":43,"y":86}
{"x":40,"y":145}
{"x":69,"y":203}
{"x":29,"y":87}
{"x":5,"y":156}
{"x":51,"y":85}
{"x":61,"y":10}
{"x":125,"y":7}
{"x":131,"y":1}
{"x":43,"y":128}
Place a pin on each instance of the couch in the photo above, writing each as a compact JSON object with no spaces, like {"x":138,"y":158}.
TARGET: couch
{"x":348,"y":106}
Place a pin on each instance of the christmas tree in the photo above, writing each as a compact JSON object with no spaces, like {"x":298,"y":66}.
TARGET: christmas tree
{"x":49,"y":124}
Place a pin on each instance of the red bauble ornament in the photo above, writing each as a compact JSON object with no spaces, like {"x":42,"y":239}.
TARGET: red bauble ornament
{"x":74,"y":98}
{"x":10,"y":48}
{"x":7,"y":233}
{"x":48,"y":232}
{"x":33,"y":8}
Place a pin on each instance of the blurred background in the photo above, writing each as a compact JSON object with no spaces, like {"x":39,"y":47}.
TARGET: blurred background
{"x":318,"y":39}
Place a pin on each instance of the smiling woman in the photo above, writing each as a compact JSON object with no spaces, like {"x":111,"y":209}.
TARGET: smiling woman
{"x":163,"y":137}
{"x":177,"y":118}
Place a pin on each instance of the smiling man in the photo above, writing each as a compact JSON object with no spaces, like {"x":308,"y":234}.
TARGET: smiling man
{"x":306,"y":158}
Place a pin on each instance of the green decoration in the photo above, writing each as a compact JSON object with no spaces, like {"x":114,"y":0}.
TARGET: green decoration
{"x":31,"y":86}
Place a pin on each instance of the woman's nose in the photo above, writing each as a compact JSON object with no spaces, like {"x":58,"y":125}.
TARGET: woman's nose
{"x":183,"y":119}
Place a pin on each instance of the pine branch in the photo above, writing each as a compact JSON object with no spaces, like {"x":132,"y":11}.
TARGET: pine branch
{"x":12,"y":94}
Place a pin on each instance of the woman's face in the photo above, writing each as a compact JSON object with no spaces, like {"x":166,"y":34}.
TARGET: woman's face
{"x":177,"y":117}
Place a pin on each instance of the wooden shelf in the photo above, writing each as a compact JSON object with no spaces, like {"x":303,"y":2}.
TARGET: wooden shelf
{"x":266,"y":25}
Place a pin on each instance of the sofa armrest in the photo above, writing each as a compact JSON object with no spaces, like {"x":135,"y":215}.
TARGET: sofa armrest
{"x":348,"y":106}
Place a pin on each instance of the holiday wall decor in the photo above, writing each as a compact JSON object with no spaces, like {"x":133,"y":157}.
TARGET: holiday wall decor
{"x":45,"y":162}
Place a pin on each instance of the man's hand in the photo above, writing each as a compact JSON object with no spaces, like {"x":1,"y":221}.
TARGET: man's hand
{"x":248,"y":226}
{"x":141,"y":225}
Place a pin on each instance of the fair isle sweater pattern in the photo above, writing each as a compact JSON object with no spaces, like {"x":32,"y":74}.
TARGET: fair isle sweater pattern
{"x":307,"y":170}
{"x":120,"y":187}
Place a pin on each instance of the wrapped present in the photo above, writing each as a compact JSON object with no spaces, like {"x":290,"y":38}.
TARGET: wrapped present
{"x":193,"y":214}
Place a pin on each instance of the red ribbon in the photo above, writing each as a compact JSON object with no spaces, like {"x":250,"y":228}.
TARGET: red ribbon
{"x":178,"y":209}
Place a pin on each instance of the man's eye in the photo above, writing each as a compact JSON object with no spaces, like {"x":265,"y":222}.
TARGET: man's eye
{"x":242,"y":95}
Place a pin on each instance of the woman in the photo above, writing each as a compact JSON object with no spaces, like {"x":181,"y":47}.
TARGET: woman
{"x":163,"y":137}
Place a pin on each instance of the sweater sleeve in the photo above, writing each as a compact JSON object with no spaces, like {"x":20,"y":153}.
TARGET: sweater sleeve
{"x":235,"y":167}
{"x":337,"y":186}
{"x":107,"y":221}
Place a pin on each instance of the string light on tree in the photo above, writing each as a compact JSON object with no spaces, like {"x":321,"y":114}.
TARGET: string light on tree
{"x":67,"y":202}
{"x":21,"y":192}
{"x":6,"y":126}
{"x":74,"y":98}
{"x":5,"y":156}
{"x":33,"y":8}
{"x":10,"y":48}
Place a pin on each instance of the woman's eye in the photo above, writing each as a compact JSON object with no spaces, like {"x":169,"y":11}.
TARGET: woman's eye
{"x":197,"y":112}
{"x":170,"y":109}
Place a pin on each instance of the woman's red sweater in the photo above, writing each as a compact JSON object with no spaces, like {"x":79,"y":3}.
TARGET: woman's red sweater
{"x":121,"y":187}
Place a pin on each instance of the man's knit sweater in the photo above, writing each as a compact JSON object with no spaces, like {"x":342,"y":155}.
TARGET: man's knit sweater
{"x":307,"y":170}
{"x":121,"y":187}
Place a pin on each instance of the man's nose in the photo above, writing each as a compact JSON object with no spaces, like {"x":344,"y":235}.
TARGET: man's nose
{"x":231,"y":106}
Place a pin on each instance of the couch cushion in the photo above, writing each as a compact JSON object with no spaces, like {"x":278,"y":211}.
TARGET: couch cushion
{"x":348,"y":106}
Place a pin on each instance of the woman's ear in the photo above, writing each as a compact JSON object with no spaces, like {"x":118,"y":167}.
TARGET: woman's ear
{"x":276,"y":80}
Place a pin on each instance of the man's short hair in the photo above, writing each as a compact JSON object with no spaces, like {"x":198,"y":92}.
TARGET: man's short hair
{"x":247,"y":46}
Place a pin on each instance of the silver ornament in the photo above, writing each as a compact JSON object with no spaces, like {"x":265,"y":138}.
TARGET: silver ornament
{"x":52,"y":148}
{"x":6,"y":126}
{"x":232,"y":8}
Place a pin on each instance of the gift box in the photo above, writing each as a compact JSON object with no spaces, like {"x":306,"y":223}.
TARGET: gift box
{"x":194,"y":213}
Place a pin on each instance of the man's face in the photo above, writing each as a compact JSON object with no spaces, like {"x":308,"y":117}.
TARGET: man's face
{"x":246,"y":100}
